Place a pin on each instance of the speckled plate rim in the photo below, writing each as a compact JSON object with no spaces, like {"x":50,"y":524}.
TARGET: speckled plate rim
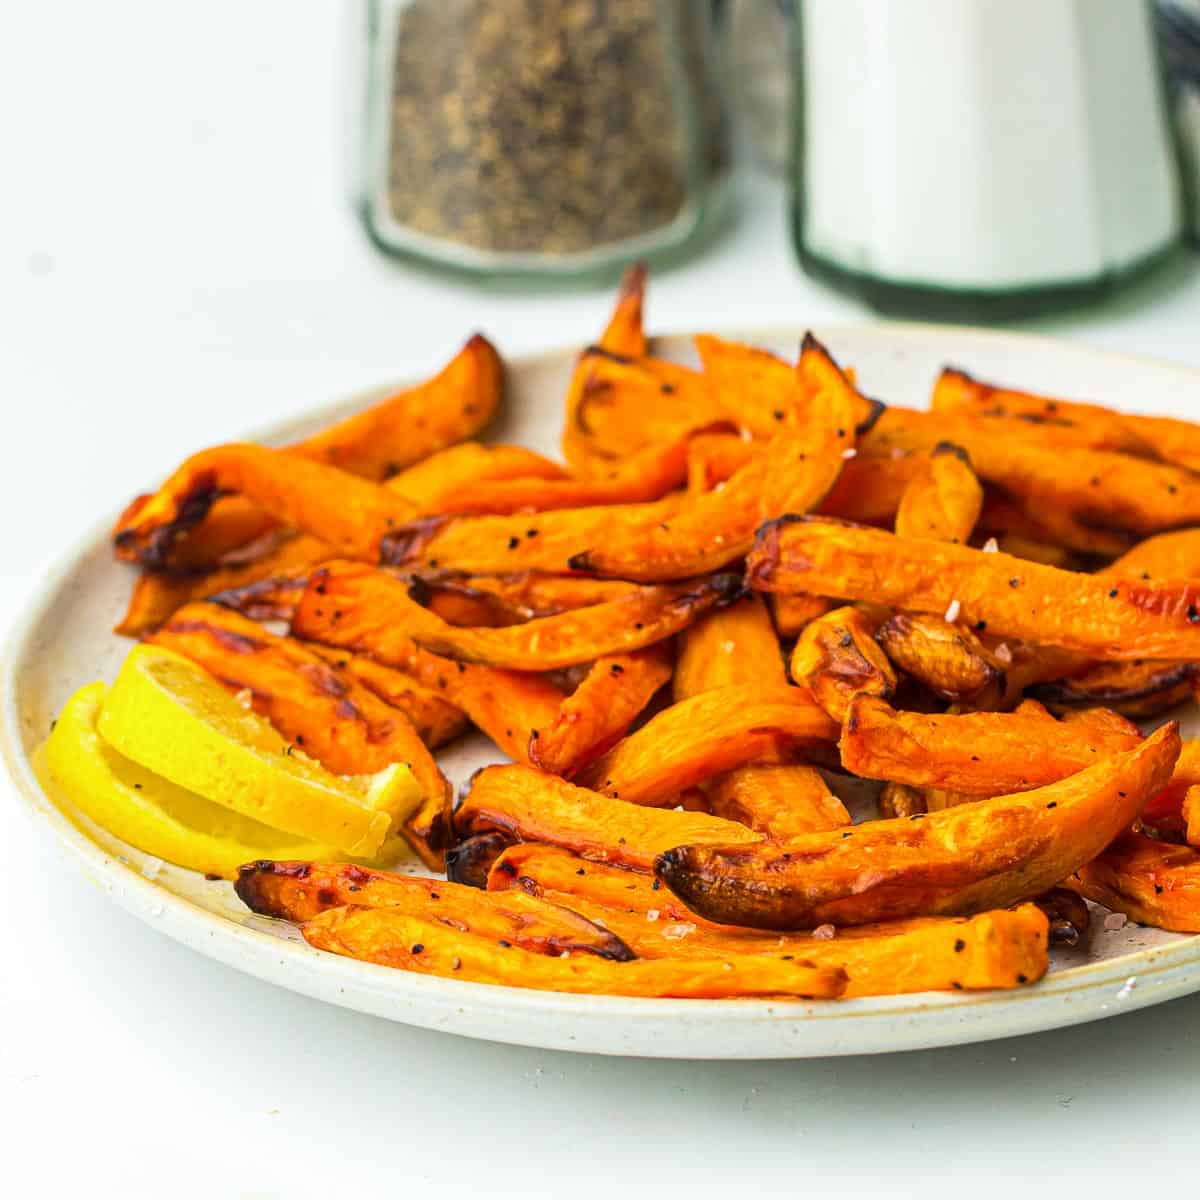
{"x":741,"y":1029}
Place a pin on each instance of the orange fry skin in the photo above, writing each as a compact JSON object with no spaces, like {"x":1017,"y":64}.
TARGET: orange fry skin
{"x":836,"y":657}
{"x":704,"y":736}
{"x":982,"y":754}
{"x":778,"y":801}
{"x":792,"y":613}
{"x":944,"y":500}
{"x":1152,"y":882}
{"x":529,"y":806}
{"x":394,"y":939}
{"x":1100,"y":616}
{"x":527,"y":594}
{"x":434,"y":484}
{"x":734,"y":645}
{"x":990,"y":854}
{"x":948,"y":659}
{"x":598,"y":713}
{"x":298,"y":891}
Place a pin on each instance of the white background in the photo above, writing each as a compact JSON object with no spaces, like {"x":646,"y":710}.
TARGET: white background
{"x":177,"y":263}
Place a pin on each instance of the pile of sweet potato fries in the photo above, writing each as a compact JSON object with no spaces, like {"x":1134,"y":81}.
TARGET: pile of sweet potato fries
{"x":747,"y":582}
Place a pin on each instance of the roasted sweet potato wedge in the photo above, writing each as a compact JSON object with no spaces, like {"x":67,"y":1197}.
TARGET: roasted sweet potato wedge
{"x":1153,"y":882}
{"x":529,"y":806}
{"x":943,"y":500}
{"x":836,"y":657}
{"x":1190,"y":811}
{"x":791,"y":613}
{"x":712,"y":732}
{"x":512,"y":599}
{"x":156,"y":596}
{"x":973,"y":857}
{"x":1165,"y":556}
{"x":982,"y":754}
{"x":871,"y":487}
{"x":714,"y":458}
{"x":614,"y":692}
{"x":900,"y":800}
{"x":394,"y":939}
{"x":1139,"y":688}
{"x":994,"y":949}
{"x":1100,"y":616}
{"x":436,"y":484}
{"x":504,"y":545}
{"x":298,"y":891}
{"x":780,"y":801}
{"x":1069,"y":917}
{"x":580,"y":635}
{"x":733,"y":645}
{"x":321,"y":708}
{"x":948,"y":659}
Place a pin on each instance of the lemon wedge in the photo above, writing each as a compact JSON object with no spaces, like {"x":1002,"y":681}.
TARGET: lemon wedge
{"x":169,"y":715}
{"x":147,"y":811}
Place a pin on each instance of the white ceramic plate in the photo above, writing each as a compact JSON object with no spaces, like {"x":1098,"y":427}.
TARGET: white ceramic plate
{"x":63,"y":641}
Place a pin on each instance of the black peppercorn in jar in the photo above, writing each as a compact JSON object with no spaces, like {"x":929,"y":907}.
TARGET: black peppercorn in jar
{"x":535,"y":137}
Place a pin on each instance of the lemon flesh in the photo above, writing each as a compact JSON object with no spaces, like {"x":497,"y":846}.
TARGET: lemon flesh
{"x":148,"y":811}
{"x":173,"y":718}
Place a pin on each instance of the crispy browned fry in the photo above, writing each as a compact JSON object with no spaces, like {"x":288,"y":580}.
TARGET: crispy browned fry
{"x":900,"y":800}
{"x":1069,"y":917}
{"x":394,"y":939}
{"x":400,"y":429}
{"x":778,"y":801}
{"x":759,"y":391}
{"x":871,"y":487}
{"x":1101,"y":616}
{"x":1190,"y":811}
{"x":323,"y":709}
{"x":618,"y":405}
{"x":511,"y":599}
{"x":715,"y":457}
{"x":434,"y":483}
{"x":976,"y":856}
{"x":579,"y":635}
{"x":793,"y":612}
{"x":598,"y":713}
{"x":503,"y":545}
{"x":836,"y":657}
{"x":156,"y":596}
{"x":948,"y":659}
{"x":352,"y":515}
{"x":435,"y":719}
{"x":470,"y":861}
{"x":982,"y":754}
{"x":712,"y":732}
{"x":1152,"y":882}
{"x":943,"y":500}
{"x":730,"y":646}
{"x":715,"y":528}
{"x":1154,"y":437}
{"x":995,"y":949}
{"x":529,"y":806}
{"x":1139,"y":688}
{"x":298,"y":891}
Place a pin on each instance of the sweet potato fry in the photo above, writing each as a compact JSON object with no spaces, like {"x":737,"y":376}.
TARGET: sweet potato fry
{"x":836,"y":657}
{"x":711,"y":733}
{"x":948,"y":659}
{"x":1139,"y":688}
{"x":791,"y":613}
{"x":580,"y":635}
{"x":324,"y":710}
{"x":943,"y":500}
{"x":1103,"y":724}
{"x":713,"y":458}
{"x":433,"y":484}
{"x":1069,"y":917}
{"x":156,"y":596}
{"x":985,"y":855}
{"x":352,"y":515}
{"x":733,"y":645}
{"x":298,"y":891}
{"x":598,"y":713}
{"x":759,"y":391}
{"x":1174,"y":555}
{"x":981,"y":754}
{"x":1149,"y":881}
{"x":435,"y":719}
{"x":778,"y":801}
{"x":871,"y":487}
{"x":511,"y":599}
{"x":1163,"y":814}
{"x":503,"y":545}
{"x":1152,"y":437}
{"x":394,"y":939}
{"x":1096,"y":615}
{"x":994,"y":949}
{"x":900,"y":800}
{"x":528,"y":806}
{"x":1190,"y":811}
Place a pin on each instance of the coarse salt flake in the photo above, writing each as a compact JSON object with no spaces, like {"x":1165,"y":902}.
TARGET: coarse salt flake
{"x":1003,"y":653}
{"x":991,"y":546}
{"x":679,"y":930}
{"x":245,"y":698}
{"x":824,"y":932}
{"x":652,"y":914}
{"x":850,"y":452}
{"x":1115,"y":921}
{"x":952,"y":611}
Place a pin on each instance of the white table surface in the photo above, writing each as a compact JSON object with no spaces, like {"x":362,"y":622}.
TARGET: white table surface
{"x":176,"y":264}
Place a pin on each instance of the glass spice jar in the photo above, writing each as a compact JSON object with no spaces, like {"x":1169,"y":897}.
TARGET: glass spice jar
{"x":535,"y":138}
